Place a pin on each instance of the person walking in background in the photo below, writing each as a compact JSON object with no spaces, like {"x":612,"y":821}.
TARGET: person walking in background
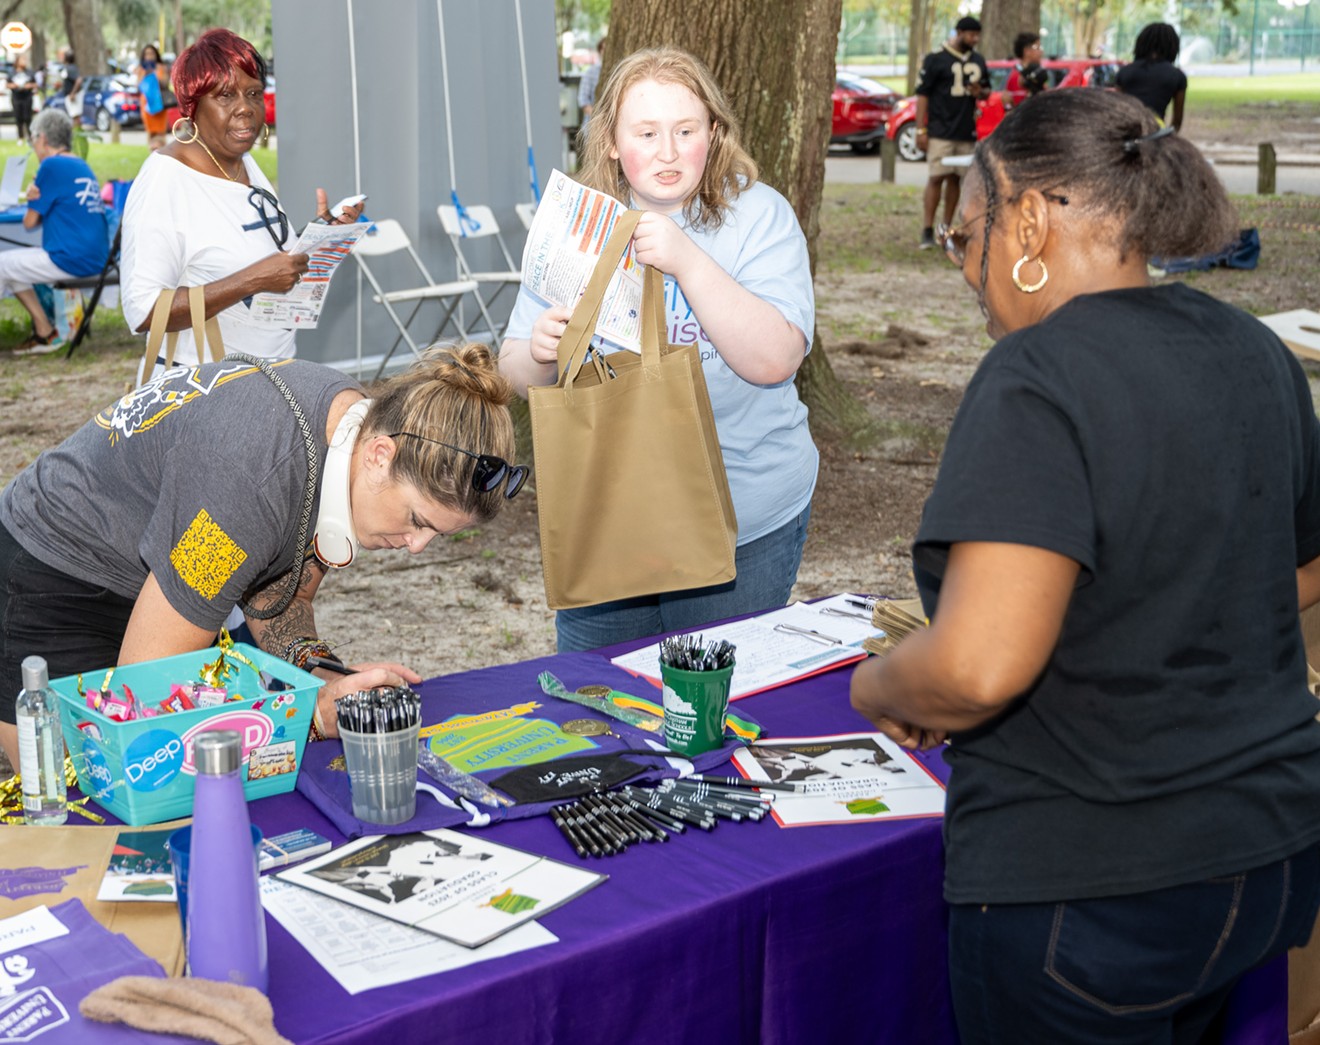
{"x":153,"y":84}
{"x":22,"y":87}
{"x":1125,"y":523}
{"x":1151,"y":77}
{"x":738,"y":283}
{"x":71,"y":88}
{"x":952,"y":80}
{"x":1027,"y":77}
{"x":64,"y":199}
{"x":587,"y":87}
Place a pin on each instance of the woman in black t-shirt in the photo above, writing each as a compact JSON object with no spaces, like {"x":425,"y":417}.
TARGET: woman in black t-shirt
{"x":1126,"y":519}
{"x":1152,"y":78}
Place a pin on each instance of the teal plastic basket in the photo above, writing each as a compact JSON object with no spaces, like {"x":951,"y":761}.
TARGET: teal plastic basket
{"x":142,"y":771}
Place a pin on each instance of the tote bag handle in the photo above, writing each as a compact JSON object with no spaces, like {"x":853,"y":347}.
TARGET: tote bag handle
{"x":204,"y":331}
{"x":576,"y":340}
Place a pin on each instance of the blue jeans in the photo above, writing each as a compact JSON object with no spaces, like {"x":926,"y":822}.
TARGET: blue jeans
{"x":766,"y":571}
{"x":1146,"y":968}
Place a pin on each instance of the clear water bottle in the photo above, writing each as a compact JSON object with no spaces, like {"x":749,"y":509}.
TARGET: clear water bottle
{"x":41,"y":747}
{"x":226,"y":925}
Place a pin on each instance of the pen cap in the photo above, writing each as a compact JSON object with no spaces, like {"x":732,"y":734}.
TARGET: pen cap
{"x":35,"y":674}
{"x":217,"y":751}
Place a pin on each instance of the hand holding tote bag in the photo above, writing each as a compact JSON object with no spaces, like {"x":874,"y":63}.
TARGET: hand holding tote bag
{"x":631,"y":493}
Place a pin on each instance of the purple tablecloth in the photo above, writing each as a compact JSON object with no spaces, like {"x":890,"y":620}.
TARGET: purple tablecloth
{"x":753,"y":933}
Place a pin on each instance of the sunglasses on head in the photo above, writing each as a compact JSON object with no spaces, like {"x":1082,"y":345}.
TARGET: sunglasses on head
{"x":488,"y":473}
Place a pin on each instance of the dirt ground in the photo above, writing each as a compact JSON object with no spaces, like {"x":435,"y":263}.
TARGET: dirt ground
{"x":901,"y":330}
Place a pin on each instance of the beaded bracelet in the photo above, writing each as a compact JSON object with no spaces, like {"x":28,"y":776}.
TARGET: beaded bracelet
{"x":298,"y":651}
{"x":318,"y":729}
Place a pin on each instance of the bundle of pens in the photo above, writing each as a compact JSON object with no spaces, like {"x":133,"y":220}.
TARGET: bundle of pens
{"x":385,"y":709}
{"x":605,"y":824}
{"x":686,"y":653}
{"x":897,"y":621}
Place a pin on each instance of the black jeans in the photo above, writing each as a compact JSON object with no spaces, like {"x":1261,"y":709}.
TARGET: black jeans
{"x":76,"y":626}
{"x":1151,"y":967}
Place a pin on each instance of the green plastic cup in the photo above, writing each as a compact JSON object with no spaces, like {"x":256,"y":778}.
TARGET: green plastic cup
{"x":695,"y":703}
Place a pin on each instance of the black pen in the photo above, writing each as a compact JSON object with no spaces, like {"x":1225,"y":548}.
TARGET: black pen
{"x":737,"y":781}
{"x":328,"y":664}
{"x":866,"y":604}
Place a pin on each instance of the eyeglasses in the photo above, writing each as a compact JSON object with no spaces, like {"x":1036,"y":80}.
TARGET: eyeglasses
{"x":489,"y":470}
{"x":263,"y":202}
{"x":953,"y":238}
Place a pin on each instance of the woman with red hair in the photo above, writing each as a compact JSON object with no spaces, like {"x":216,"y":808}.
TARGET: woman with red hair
{"x":201,"y":213}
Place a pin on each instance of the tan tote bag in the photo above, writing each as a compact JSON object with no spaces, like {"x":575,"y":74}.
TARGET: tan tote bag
{"x":204,"y":331}
{"x":631,"y":493}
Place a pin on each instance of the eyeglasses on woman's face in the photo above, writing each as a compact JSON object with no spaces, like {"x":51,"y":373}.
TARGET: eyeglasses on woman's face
{"x":953,"y":238}
{"x":489,"y":472}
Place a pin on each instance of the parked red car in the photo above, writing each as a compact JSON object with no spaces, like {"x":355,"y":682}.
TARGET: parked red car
{"x":861,"y":107}
{"x":1064,"y":72}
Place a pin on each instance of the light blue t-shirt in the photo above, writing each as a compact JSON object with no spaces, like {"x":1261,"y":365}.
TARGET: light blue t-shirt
{"x":72,"y":215}
{"x":769,"y":456}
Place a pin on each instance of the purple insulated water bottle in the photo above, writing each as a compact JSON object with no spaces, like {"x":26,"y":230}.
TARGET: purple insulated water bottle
{"x":226,"y":925}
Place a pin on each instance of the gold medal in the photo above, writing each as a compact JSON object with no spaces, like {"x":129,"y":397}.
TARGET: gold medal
{"x":595,"y":691}
{"x":585,"y":727}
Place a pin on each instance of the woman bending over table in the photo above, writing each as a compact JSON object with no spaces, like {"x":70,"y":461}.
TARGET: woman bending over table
{"x":133,"y":539}
{"x":201,"y":213}
{"x":738,"y":283}
{"x":1125,"y":521}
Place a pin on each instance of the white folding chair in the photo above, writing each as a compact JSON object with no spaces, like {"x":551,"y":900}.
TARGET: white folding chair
{"x":389,"y":238}
{"x":526,"y":212}
{"x":477,"y":223}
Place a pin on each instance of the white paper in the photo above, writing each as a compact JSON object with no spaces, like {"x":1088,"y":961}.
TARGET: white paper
{"x":568,"y":233}
{"x":847,"y":778}
{"x":327,"y":247}
{"x":454,"y":885}
{"x":362,"y":951}
{"x":29,"y":929}
{"x":765,"y":657}
{"x":11,"y":182}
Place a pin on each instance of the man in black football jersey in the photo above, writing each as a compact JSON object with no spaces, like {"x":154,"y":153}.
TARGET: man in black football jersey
{"x":952,"y":80}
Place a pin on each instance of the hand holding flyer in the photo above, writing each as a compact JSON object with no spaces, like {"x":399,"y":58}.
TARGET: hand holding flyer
{"x":567,"y":235}
{"x":326,"y":246}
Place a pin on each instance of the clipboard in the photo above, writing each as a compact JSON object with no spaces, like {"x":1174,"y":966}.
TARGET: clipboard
{"x":11,"y":182}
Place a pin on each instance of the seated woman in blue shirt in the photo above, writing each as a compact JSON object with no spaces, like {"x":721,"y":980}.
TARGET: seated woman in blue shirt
{"x":65,"y":201}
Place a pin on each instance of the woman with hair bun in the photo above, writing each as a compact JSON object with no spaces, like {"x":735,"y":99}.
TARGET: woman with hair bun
{"x":201,"y":212}
{"x":134,"y":538}
{"x":1124,"y":526}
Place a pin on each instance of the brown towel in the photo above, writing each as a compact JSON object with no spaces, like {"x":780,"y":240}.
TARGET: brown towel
{"x":221,"y":1012}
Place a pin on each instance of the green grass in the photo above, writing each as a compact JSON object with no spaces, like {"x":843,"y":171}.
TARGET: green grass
{"x":1234,"y":90}
{"x":121,"y":162}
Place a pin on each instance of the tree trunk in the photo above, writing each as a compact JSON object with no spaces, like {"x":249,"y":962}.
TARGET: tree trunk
{"x":1002,"y":20}
{"x":778,"y":74}
{"x":918,"y":40}
{"x":84,"y":29}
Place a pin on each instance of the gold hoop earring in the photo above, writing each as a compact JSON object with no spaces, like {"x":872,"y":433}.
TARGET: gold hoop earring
{"x":1030,"y":288}
{"x":180,"y":138}
{"x":265,"y":135}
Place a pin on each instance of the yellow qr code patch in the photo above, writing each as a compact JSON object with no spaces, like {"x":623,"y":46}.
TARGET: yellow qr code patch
{"x":206,"y":556}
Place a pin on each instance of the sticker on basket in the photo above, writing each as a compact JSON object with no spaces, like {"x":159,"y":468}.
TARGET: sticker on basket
{"x":98,"y":771}
{"x":253,"y":727}
{"x":153,"y":759}
{"x":272,"y":760}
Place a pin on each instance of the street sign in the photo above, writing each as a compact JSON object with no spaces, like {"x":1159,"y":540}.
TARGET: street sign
{"x":16,"y":36}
